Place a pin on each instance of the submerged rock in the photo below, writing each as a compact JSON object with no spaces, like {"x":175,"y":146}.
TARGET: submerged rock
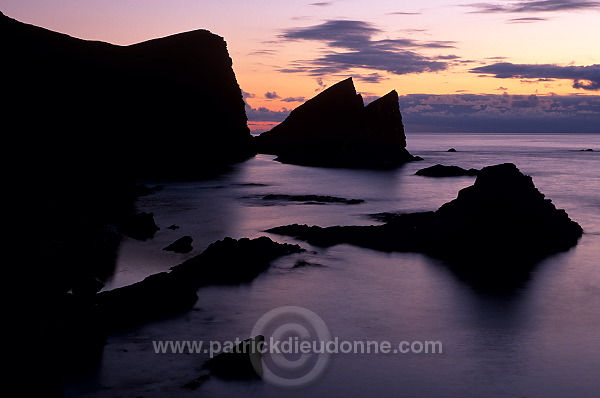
{"x":335,"y":129}
{"x":440,"y":170}
{"x":181,"y":245}
{"x":243,"y":361}
{"x":313,"y":199}
{"x":495,"y":230}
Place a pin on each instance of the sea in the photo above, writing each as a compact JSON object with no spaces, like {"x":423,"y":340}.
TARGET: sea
{"x":540,"y":340}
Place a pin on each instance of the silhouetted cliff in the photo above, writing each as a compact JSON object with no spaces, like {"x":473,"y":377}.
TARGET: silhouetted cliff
{"x":336,"y":129}
{"x":81,"y":121}
{"x":167,"y":107}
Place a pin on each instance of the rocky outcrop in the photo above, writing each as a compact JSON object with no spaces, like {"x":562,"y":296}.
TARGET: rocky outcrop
{"x":335,"y":129}
{"x":242,"y":362}
{"x":181,"y":245}
{"x":140,"y":226}
{"x":225,"y":262}
{"x":313,"y":199}
{"x":82,"y":120}
{"x":440,"y":170}
{"x":494,"y":231}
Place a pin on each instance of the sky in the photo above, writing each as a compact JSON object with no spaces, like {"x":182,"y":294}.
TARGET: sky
{"x":458,"y":65}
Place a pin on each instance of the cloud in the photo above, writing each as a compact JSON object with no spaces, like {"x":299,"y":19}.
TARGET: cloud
{"x":352,"y":45}
{"x":535,"y":6}
{"x":500,"y":113}
{"x":271,"y":95}
{"x":370,"y":78}
{"x":263,"y":114}
{"x":404,"y":13}
{"x":322,"y":85}
{"x":293,"y":99}
{"x":248,"y":95}
{"x":322,"y":4}
{"x":526,"y":20}
{"x":584,"y":77}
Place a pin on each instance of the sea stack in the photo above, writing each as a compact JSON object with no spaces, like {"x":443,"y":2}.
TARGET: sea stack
{"x":494,"y":232}
{"x":335,"y":129}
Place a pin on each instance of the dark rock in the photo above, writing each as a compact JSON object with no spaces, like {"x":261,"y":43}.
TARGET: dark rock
{"x":451,"y":150}
{"x":586,"y":150}
{"x":303,"y":263}
{"x":140,"y":226}
{"x":198,"y":381}
{"x":313,"y":199}
{"x":227,"y":261}
{"x":173,"y":227}
{"x":157,"y":296}
{"x":92,"y":119}
{"x":244,"y":361}
{"x":181,"y":245}
{"x":440,"y":170}
{"x":231,"y":261}
{"x":495,"y":230}
{"x":144,"y":190}
{"x":180,"y":88}
{"x":335,"y":129}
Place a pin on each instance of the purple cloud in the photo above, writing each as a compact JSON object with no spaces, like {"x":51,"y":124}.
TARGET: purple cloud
{"x":535,"y":6}
{"x":352,"y":46}
{"x":584,"y":77}
{"x":271,"y":95}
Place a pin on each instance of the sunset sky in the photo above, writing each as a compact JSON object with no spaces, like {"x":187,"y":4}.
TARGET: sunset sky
{"x":457,"y":65}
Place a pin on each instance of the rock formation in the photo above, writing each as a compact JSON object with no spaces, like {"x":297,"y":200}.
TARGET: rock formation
{"x":181,"y":245}
{"x":440,"y":170}
{"x":140,"y":226}
{"x":313,"y":199}
{"x":335,"y":129}
{"x":495,"y":230}
{"x":82,"y":120}
{"x":225,"y":262}
{"x":243,"y":361}
{"x":168,"y":106}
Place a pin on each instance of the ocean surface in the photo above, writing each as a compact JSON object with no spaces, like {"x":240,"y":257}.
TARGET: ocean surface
{"x":541,"y":340}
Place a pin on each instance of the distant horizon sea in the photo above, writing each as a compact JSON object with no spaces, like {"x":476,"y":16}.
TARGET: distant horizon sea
{"x":541,"y":340}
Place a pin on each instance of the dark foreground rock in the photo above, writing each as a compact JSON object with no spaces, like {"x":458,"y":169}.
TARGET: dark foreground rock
{"x":181,"y":245}
{"x":494,"y":231}
{"x":335,"y":129}
{"x":313,"y":199}
{"x":140,"y":226}
{"x":84,"y":120}
{"x":227,"y":261}
{"x":241,"y":362}
{"x":440,"y":170}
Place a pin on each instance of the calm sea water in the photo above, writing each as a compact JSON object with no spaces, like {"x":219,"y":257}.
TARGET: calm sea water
{"x":542,"y":340}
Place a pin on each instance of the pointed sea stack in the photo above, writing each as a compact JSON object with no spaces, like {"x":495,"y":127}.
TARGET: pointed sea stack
{"x":335,"y":129}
